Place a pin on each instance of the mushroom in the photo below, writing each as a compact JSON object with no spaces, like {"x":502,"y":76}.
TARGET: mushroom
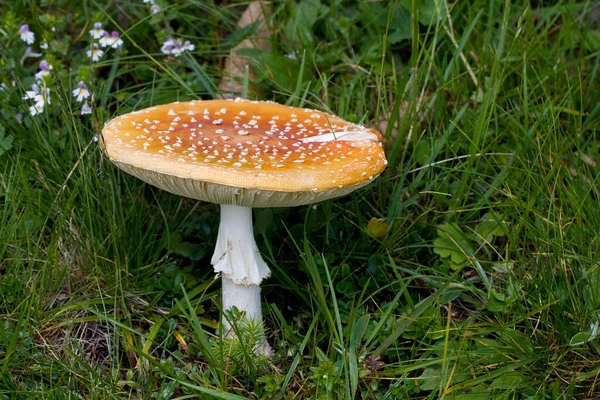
{"x":243,"y":154}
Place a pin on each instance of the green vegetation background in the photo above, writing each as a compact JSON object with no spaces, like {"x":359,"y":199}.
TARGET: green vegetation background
{"x":468,"y":270}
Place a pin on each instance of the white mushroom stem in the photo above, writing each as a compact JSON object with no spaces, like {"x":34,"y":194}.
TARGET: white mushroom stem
{"x":245,"y":298}
{"x":241,"y":266}
{"x":236,"y":254}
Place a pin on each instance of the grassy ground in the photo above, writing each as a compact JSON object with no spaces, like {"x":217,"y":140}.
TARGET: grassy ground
{"x":468,"y":270}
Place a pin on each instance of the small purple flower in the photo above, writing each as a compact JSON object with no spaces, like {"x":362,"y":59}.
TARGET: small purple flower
{"x":117,"y":42}
{"x":95,"y":53}
{"x":111,"y":40}
{"x":41,"y":96}
{"x":168,"y":46}
{"x":81,"y":92}
{"x":36,"y":109}
{"x":154,"y":8}
{"x":187,"y":46}
{"x":30,"y":53}
{"x":26,"y":35}
{"x":45,"y":69}
{"x":105,"y":40}
{"x":86,"y":109}
{"x":30,"y":94}
{"x":175,"y":47}
{"x":97,"y":32}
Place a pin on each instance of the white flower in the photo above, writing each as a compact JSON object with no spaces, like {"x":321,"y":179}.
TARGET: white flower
{"x":95,"y":53}
{"x":86,"y":109}
{"x":105,"y":40}
{"x":45,"y":69}
{"x":37,"y":108}
{"x":167,"y":46}
{"x":292,"y":55}
{"x":97,"y":32}
{"x":117,"y":41}
{"x":111,"y":40}
{"x":26,"y":35}
{"x":154,"y":8}
{"x":44,"y":45}
{"x":188,"y":46}
{"x":81,"y":92}
{"x":30,"y":94}
{"x":174,"y":47}
{"x":41,"y":96}
{"x":177,"y":50}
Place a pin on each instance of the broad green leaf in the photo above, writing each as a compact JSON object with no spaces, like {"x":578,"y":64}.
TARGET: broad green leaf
{"x":513,"y":380}
{"x":400,"y":26}
{"x":422,"y":152}
{"x":592,"y":294}
{"x":178,"y":246}
{"x":519,"y":343}
{"x":5,"y":141}
{"x":377,"y":228}
{"x":263,"y":219}
{"x":581,"y":338}
{"x":496,"y":301}
{"x":430,"y":378}
{"x":492,"y":224}
{"x":452,"y":245}
{"x":503,"y":267}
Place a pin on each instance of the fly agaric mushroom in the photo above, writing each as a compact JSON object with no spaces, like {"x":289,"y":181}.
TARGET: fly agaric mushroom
{"x":243,"y":154}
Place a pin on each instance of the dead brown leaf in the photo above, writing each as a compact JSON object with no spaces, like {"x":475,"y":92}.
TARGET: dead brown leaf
{"x":236,"y":66}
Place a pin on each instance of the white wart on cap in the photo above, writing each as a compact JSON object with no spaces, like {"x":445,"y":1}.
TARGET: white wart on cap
{"x":245,"y":153}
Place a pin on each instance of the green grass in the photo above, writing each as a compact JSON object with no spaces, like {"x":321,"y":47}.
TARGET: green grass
{"x":482,"y":280}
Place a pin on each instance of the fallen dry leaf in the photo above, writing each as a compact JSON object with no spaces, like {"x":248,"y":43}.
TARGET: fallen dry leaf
{"x":235,"y":67}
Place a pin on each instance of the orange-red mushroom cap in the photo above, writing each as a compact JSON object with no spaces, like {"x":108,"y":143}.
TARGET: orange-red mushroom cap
{"x":245,"y":153}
